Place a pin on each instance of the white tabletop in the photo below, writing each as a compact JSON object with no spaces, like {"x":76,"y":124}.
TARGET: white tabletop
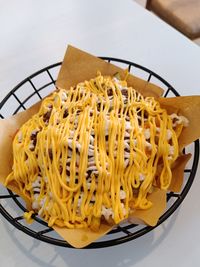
{"x":35,"y":34}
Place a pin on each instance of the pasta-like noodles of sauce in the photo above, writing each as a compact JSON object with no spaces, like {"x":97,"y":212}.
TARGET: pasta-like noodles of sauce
{"x":94,"y":152}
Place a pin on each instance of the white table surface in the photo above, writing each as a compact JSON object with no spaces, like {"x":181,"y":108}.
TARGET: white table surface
{"x":34,"y":34}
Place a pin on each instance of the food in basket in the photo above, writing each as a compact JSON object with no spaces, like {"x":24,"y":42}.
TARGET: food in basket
{"x":94,"y":153}
{"x":142,"y":190}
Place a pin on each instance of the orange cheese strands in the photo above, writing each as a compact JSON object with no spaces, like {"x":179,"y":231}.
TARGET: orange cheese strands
{"x":94,"y":152}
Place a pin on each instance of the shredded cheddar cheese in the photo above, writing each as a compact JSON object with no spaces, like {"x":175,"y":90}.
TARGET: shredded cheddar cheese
{"x":93,"y":153}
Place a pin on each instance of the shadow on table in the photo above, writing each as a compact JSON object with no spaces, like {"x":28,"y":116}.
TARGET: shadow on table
{"x":125,"y":255}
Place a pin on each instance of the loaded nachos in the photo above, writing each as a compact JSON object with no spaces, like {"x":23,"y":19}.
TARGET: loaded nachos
{"x":94,"y":153}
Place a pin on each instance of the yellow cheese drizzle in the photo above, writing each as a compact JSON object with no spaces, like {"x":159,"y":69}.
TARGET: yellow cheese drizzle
{"x":100,"y":124}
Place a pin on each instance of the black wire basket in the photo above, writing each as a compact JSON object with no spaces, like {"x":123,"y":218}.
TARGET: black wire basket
{"x":12,"y":207}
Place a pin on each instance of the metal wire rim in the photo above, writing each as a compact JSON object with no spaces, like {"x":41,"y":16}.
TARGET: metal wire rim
{"x":125,"y":229}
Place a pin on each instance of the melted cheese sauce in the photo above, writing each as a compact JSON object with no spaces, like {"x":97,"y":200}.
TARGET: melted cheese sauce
{"x":94,"y":153}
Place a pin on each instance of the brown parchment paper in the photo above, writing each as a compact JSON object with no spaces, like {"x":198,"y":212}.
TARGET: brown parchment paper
{"x":79,"y":66}
{"x":178,"y":172}
{"x":84,"y":66}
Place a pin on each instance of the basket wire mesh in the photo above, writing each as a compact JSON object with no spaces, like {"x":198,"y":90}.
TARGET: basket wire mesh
{"x":35,"y":88}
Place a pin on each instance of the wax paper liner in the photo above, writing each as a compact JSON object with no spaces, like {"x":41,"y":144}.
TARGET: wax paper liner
{"x":79,"y":66}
